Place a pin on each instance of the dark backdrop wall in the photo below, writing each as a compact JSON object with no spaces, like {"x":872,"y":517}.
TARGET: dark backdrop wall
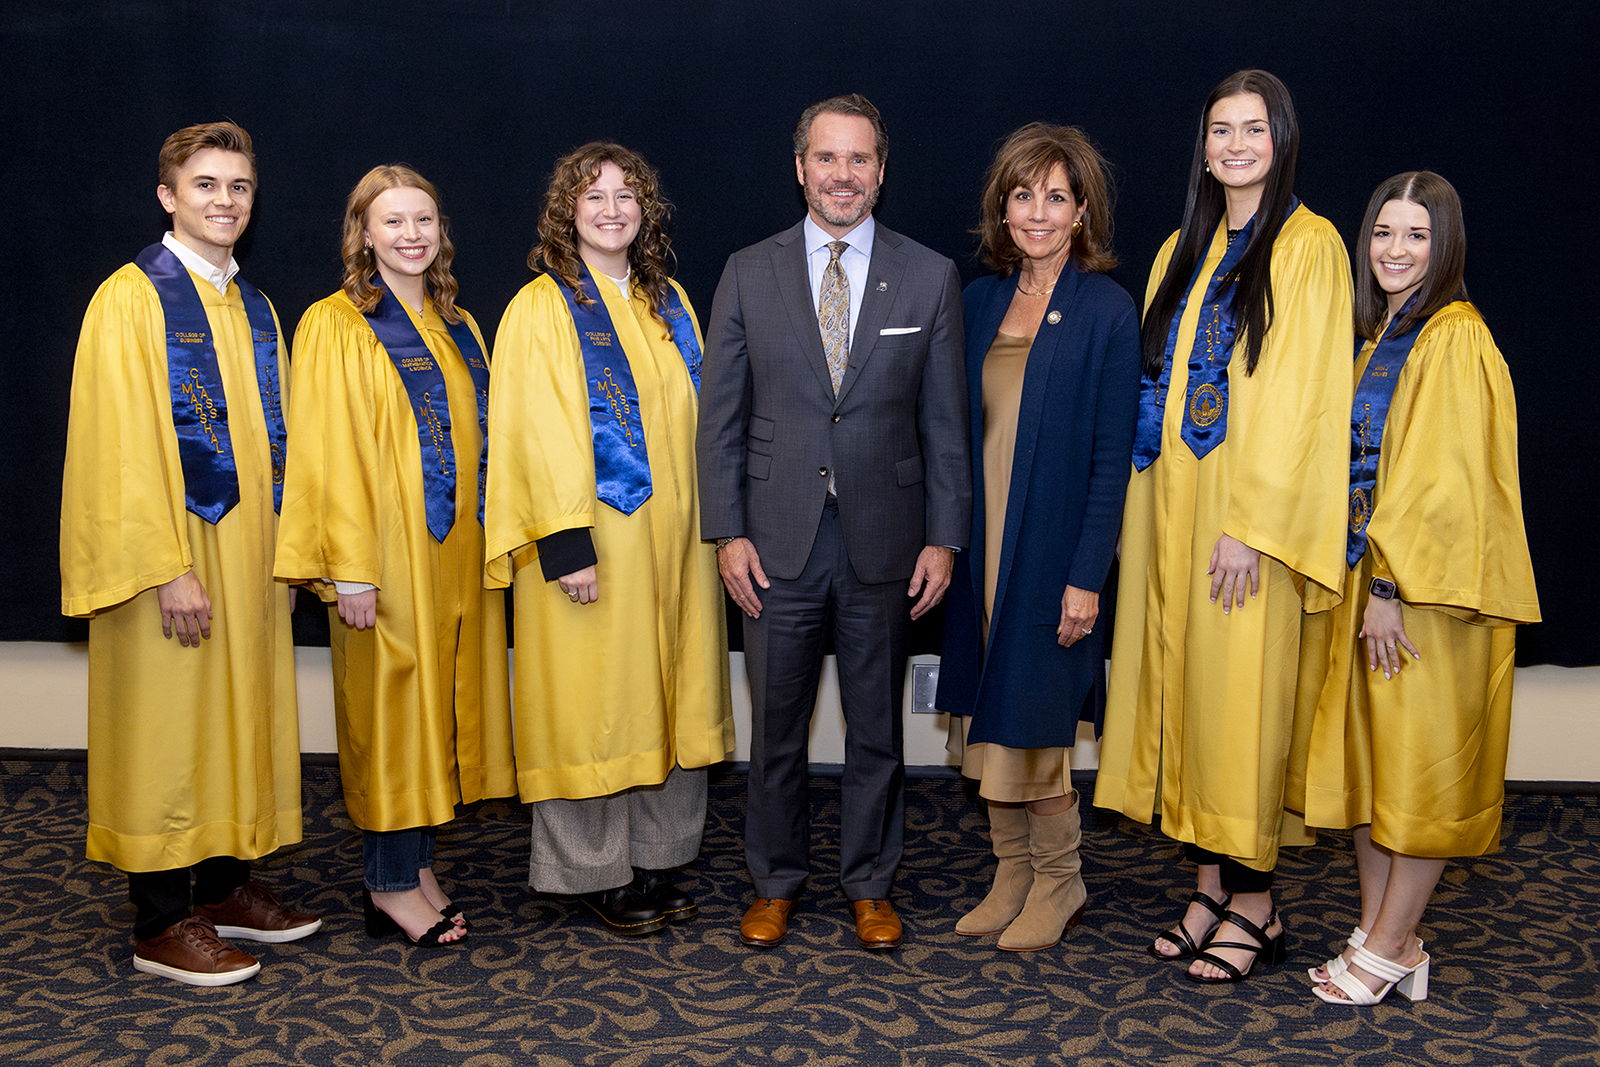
{"x":482,"y":96}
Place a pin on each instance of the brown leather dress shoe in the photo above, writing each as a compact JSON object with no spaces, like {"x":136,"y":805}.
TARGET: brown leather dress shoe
{"x":766,"y":923}
{"x":190,"y":952}
{"x":254,"y":913}
{"x":877,"y":926}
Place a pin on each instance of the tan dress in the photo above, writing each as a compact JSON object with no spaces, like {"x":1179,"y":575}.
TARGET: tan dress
{"x":1008,"y":775}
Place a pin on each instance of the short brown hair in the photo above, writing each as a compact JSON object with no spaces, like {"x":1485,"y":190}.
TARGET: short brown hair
{"x":1028,"y":156}
{"x":176,"y":149}
{"x":848,"y":104}
{"x":361,"y":266}
{"x":1445,"y":281}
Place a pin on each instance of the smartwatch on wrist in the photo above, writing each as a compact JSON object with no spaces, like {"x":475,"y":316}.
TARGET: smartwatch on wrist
{"x":1383,"y":589}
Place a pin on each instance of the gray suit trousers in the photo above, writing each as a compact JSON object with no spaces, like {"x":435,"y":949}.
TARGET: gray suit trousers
{"x":584,"y":846}
{"x":783,"y":655}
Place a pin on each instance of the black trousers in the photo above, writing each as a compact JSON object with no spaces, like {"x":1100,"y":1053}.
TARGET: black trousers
{"x":783,"y":655}
{"x":1236,"y":877}
{"x":161,"y":898}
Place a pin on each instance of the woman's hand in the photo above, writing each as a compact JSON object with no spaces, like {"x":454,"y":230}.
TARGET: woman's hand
{"x":359,"y":610}
{"x":580,"y":587}
{"x":1234,"y":566}
{"x":1079,"y":611}
{"x":1383,"y":627}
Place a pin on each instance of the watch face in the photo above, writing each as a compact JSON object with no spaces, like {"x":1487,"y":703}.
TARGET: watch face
{"x":1383,"y":588}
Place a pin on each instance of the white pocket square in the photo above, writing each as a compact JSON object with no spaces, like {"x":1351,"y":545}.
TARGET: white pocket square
{"x":896,"y":331}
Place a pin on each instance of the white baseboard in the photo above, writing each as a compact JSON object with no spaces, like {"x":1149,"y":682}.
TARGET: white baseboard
{"x":1555,"y":731}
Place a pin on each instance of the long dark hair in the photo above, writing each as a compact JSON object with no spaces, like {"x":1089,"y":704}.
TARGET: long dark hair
{"x":1447,"y":251}
{"x":1203,"y":209}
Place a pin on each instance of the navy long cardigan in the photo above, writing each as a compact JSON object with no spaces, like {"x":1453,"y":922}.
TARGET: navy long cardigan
{"x":1069,"y":476}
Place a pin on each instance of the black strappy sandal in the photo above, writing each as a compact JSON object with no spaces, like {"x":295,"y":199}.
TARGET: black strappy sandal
{"x":1269,"y":951}
{"x":381,"y":924}
{"x":1187,"y":949}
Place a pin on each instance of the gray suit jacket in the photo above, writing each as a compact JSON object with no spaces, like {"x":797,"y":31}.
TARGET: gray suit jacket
{"x":895,"y":438}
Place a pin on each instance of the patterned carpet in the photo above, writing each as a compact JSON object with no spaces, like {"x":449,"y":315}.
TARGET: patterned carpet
{"x":1514,"y":938}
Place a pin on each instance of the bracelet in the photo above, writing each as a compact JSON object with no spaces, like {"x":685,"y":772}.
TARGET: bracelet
{"x":724,"y":542}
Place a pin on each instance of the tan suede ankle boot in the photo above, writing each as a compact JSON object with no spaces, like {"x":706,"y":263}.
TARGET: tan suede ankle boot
{"x":1057,"y":898}
{"x":1008,"y":830}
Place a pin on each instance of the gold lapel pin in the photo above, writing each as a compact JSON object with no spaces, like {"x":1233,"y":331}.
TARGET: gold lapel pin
{"x":1053,"y":318}
{"x":883,"y":287}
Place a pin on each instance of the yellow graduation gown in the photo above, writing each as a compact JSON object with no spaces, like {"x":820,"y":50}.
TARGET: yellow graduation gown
{"x":1422,"y":756}
{"x":613,"y":694}
{"x":1201,"y":704}
{"x":193,"y":753}
{"x":422,"y":698}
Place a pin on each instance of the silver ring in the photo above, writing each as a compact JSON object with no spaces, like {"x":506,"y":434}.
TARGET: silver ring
{"x":572,"y":597}
{"x":1087,"y":631}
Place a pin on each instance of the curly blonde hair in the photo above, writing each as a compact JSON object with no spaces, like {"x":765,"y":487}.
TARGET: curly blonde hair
{"x":650,"y":255}
{"x":360,"y":266}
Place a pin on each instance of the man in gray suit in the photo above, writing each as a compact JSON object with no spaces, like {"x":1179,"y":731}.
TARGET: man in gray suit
{"x":834,"y":478}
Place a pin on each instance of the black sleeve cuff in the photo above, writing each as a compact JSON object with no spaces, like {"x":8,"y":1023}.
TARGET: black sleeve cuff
{"x":566,"y":551}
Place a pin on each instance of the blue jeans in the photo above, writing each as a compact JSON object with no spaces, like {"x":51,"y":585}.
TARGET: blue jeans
{"x":392,"y":860}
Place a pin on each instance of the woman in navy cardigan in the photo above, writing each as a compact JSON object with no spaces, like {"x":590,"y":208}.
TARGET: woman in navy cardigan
{"x":1053,"y":374}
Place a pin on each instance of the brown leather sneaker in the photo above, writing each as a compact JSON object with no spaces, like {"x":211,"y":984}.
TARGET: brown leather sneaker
{"x":254,"y":913}
{"x":877,"y":926}
{"x":766,"y":923}
{"x":191,"y":952}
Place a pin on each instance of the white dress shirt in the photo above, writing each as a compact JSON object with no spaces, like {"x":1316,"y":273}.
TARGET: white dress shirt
{"x":195,"y":263}
{"x":855,"y":260}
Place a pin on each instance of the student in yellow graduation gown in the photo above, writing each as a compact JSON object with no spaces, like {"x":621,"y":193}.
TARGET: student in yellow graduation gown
{"x":1233,"y":509}
{"x":1406,"y":684}
{"x":174,"y":443}
{"x":621,"y":697}
{"x":382,"y":512}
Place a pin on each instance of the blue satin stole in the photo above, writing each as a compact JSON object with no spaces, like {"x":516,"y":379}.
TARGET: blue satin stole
{"x":1368,"y":415}
{"x":621,"y":458}
{"x":430,"y":403}
{"x":1205,"y":415}
{"x":199,"y":406}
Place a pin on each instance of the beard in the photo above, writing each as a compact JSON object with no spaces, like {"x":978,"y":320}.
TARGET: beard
{"x":842,"y":215}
